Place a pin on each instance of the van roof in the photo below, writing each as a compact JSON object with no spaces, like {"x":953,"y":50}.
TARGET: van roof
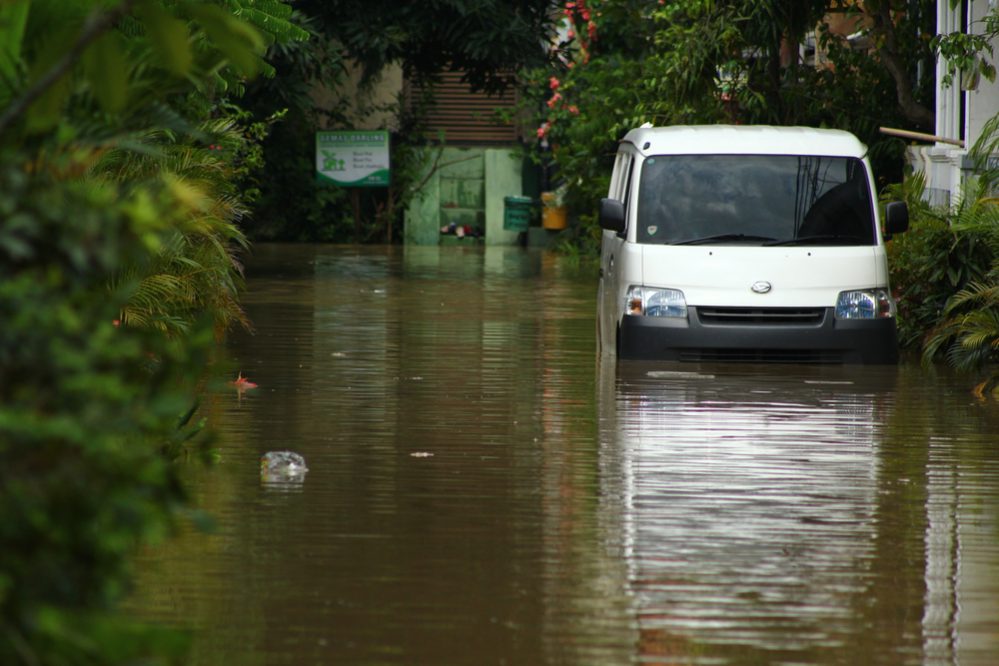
{"x":744,"y":139}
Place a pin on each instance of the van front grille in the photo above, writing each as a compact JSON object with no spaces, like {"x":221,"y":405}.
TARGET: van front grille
{"x":818,"y":356}
{"x":726,"y":316}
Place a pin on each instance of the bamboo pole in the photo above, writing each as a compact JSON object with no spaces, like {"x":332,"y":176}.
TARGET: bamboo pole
{"x":920,"y":136}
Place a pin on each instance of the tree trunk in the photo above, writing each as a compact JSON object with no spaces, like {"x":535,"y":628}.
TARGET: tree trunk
{"x":884,"y":30}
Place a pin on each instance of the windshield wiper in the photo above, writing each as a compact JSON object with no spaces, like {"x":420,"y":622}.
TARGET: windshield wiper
{"x":819,"y":238}
{"x":723,"y":238}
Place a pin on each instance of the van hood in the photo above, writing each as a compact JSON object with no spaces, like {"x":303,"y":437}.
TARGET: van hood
{"x":797,"y":276}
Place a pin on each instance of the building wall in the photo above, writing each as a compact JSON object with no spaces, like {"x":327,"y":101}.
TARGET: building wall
{"x":466,"y":179}
{"x":983,"y":102}
{"x":370,"y":107}
{"x":960,"y":115}
{"x":465,"y":186}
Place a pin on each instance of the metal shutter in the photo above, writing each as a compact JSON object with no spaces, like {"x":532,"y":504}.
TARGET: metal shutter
{"x":466,"y":117}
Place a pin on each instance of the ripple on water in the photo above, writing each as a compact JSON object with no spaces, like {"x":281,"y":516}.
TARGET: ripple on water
{"x":479,"y":489}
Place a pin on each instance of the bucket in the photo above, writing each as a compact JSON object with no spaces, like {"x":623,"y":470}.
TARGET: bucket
{"x":552,"y":216}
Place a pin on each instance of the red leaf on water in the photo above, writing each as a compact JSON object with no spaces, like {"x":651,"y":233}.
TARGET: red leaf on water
{"x":242,"y":383}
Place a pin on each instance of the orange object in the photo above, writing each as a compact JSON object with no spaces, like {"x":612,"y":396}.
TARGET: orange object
{"x":552,"y":216}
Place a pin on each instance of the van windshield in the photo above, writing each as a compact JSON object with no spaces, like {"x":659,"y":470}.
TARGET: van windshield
{"x":755,"y":200}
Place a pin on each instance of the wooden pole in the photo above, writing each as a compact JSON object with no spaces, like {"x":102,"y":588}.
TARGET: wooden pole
{"x":355,"y":200}
{"x":920,"y":136}
{"x":391,"y":214}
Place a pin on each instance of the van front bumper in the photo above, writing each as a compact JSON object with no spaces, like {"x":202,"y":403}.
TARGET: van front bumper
{"x":830,"y":340}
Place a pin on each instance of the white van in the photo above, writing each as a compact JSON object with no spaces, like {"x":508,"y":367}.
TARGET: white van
{"x":742,"y":243}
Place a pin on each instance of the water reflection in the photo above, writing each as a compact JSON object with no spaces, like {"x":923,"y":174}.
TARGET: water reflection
{"x":792,"y":515}
{"x":481,"y":490}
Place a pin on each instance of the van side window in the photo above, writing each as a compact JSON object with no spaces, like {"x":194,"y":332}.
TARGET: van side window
{"x":620,"y":187}
{"x":626,"y":181}
{"x":622,"y":177}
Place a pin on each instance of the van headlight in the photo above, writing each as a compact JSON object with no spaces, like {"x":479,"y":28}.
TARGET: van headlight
{"x":652,"y":302}
{"x":865,"y":304}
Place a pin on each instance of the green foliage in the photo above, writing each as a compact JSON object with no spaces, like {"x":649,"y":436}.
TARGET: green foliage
{"x":969,"y":336}
{"x":196,"y":271}
{"x":946,"y":271}
{"x":86,"y":408}
{"x":944,"y":253}
{"x":291,"y":204}
{"x":708,"y":61}
{"x":987,"y":145}
{"x":487,"y":39}
{"x":967,"y":55}
{"x":131,"y":105}
{"x":120,"y":172}
{"x":967,"y":332}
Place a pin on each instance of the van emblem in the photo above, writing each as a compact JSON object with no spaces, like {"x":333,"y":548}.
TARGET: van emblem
{"x":762,"y":287}
{"x":652,"y":229}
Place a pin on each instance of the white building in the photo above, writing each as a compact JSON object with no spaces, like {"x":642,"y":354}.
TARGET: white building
{"x":960,"y":114}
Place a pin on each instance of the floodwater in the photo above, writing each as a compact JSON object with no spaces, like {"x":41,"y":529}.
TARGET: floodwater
{"x":482,"y":491}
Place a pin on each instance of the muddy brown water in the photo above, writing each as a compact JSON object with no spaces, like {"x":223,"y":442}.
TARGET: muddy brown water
{"x":482,"y":491}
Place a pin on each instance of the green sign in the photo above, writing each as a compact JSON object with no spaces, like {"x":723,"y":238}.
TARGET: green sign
{"x":356,"y":158}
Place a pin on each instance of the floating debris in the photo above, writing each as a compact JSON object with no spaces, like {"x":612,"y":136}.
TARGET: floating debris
{"x":282,"y":467}
{"x":676,"y":374}
{"x":421,"y":454}
{"x":242,"y":383}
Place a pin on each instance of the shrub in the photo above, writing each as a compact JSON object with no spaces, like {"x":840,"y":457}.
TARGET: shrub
{"x":86,"y":410}
{"x":942,"y":253}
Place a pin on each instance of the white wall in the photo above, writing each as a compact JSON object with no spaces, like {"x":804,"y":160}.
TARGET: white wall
{"x":945,"y":165}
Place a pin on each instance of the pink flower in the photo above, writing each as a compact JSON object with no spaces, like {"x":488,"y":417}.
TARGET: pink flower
{"x":543,"y":130}
{"x":553,"y":83}
{"x":555,"y":99}
{"x":574,"y":110}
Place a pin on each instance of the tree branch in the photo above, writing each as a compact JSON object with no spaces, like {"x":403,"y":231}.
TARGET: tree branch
{"x":95,"y":26}
{"x":887,"y":49}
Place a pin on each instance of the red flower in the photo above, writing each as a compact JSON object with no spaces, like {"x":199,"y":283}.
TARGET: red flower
{"x":553,"y":83}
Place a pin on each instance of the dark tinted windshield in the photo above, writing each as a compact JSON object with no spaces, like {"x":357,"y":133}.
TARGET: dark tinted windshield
{"x":754,"y":199}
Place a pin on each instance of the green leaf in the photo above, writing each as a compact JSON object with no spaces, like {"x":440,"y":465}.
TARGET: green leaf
{"x":238,"y":41}
{"x":168,"y":37}
{"x":107,"y":71}
{"x":13,"y":18}
{"x":45,"y":113}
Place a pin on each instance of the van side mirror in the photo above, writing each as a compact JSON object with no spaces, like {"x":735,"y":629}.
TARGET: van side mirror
{"x":896,"y":218}
{"x":612,"y":215}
